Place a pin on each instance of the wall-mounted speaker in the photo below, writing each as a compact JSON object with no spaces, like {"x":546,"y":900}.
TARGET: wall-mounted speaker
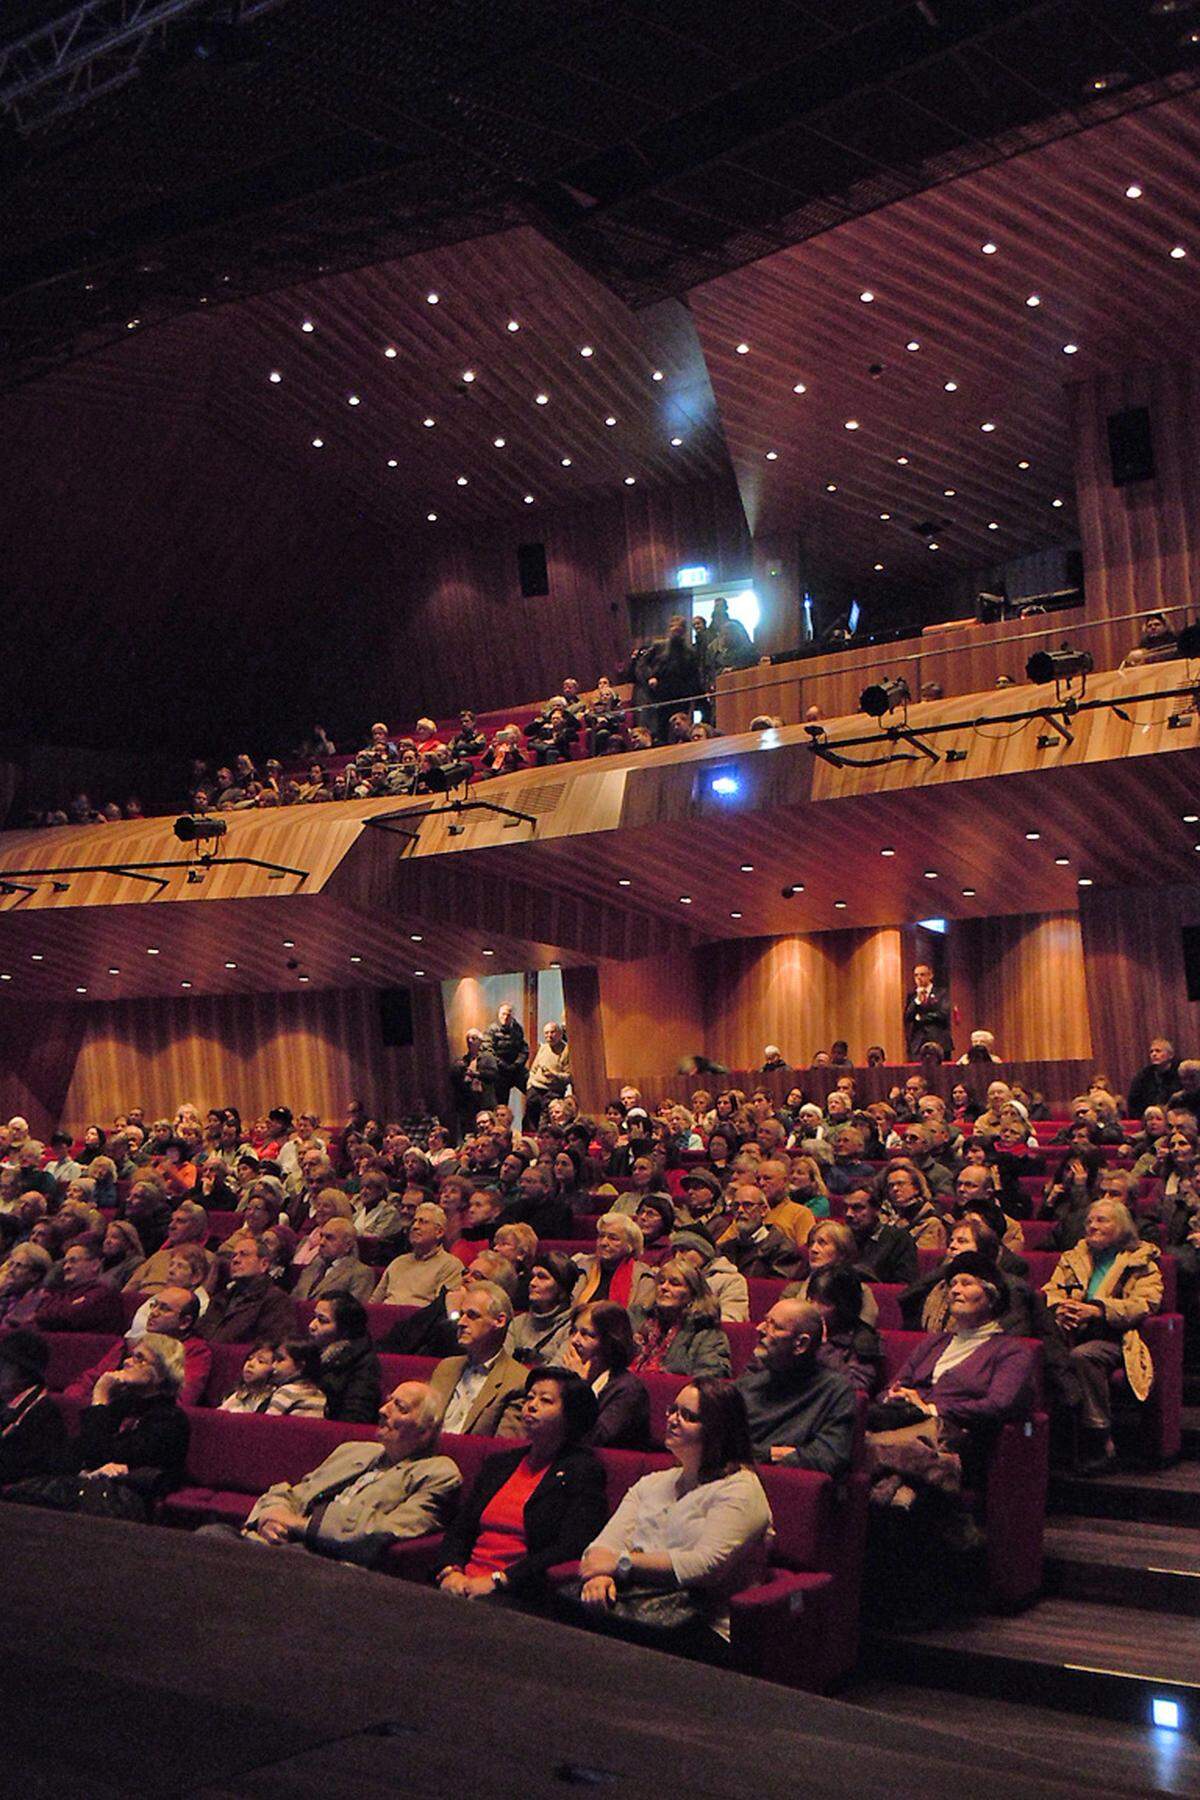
{"x":1130,"y":446}
{"x":1191,"y":960}
{"x":395,"y":1018}
{"x":532,"y":571}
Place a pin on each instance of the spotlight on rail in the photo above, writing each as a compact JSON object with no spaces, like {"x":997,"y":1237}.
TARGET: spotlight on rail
{"x":191,"y":830}
{"x":1058,"y":665}
{"x":884,"y":697}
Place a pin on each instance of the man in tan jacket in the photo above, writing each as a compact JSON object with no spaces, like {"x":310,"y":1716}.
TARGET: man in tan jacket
{"x":482,"y":1390}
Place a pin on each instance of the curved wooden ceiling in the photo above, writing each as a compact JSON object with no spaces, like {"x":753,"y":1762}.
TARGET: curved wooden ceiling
{"x":1100,"y":266}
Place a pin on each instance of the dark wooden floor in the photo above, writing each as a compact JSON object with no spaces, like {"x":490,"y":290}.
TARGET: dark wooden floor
{"x":151,"y":1664}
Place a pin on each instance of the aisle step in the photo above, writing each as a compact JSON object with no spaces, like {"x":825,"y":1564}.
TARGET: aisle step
{"x":1191,"y":1430}
{"x":1075,"y":1655}
{"x":1157,"y":1496}
{"x":1156,"y":1568}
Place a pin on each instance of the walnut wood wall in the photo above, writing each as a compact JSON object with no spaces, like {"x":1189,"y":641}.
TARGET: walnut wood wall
{"x":474,"y":1000}
{"x":255,"y":1051}
{"x":1141,"y":543}
{"x":465,"y":637}
{"x":1021,"y":977}
{"x":652,"y":1013}
{"x":1133,"y":949}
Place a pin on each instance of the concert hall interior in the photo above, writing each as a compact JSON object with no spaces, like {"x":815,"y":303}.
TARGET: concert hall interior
{"x":604,"y":681}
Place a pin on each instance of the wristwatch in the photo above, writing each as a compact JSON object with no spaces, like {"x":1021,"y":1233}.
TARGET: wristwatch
{"x":624,"y":1568}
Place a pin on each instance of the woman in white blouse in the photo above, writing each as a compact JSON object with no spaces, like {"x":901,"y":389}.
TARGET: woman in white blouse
{"x":703,"y":1527}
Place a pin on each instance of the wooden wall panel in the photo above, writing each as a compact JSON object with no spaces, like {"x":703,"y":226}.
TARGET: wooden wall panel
{"x":38,"y":1048}
{"x":1141,"y":543}
{"x":1022,"y":977}
{"x":312,"y":1052}
{"x":465,"y":636}
{"x":1133,"y":949}
{"x":584,"y":1016}
{"x":801,"y":993}
{"x":474,"y":1001}
{"x":651,"y":1013}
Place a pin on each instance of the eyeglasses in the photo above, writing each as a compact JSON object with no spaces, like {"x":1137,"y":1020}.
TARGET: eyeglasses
{"x":685,"y":1413}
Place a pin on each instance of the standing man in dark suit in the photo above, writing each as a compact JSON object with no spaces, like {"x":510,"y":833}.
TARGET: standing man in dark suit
{"x":927,"y":1015}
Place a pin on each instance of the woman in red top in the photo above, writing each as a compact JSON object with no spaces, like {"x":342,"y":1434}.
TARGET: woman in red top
{"x":533,"y":1507}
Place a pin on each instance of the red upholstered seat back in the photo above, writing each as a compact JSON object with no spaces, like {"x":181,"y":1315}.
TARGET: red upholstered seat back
{"x":246,"y":1452}
{"x":623,"y":1467}
{"x":71,"y":1352}
{"x":802,"y":1508}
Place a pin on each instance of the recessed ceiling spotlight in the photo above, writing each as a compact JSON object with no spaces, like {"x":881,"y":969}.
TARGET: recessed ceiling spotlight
{"x":353,"y":400}
{"x":318,"y":443}
{"x":742,"y":349}
{"x":468,"y":375}
{"x":81,"y":990}
{"x":429,"y":423}
{"x":1133,"y":191}
{"x":231,"y":965}
{"x":114,"y":971}
{"x":610,"y":420}
{"x":657,"y":375}
{"x":624,"y":881}
{"x":851,"y":425}
{"x":391,"y":353}
{"x":992,"y":525}
{"x":565,"y":461}
{"x":866,"y":296}
{"x":489,"y":953}
{"x":556,"y":965}
{"x":38,"y":957}
{"x":1084,"y":881}
{"x":418,"y":971}
{"x":356,"y":959}
{"x":529,"y":499}
{"x":499,"y":443}
{"x":1070,"y":349}
{"x":275,"y":376}
{"x":912,"y":344}
{"x":151,"y":952}
{"x":1058,"y":503}
{"x":185,"y":984}
{"x":1033,"y":300}
{"x":1062,"y":861}
{"x":460,"y":481}
{"x":772,"y":456}
{"x":932,"y":546}
{"x":951,"y":387}
{"x":747,"y":868}
{"x":1188,"y":819}
{"x":629,"y":480}
{"x":289,"y":943}
{"x":903,"y":461}
{"x":949,"y":493}
{"x":586,"y":350}
{"x":931,"y":874}
{"x":735,"y":915}
{"x":514,"y":325}
{"x":988,"y":425}
{"x":799,"y":388}
{"x":308,"y":325}
{"x":841,"y":905}
{"x":541,"y":399}
{"x":878,"y":568}
{"x":885,"y":517}
{"x":432,"y":517}
{"x":1023,"y":464}
{"x":5,"y":977}
{"x":989,"y":249}
{"x":302,"y":978}
{"x":676,"y":442}
{"x":415,"y":937}
{"x":392,"y":463}
{"x":1178,"y":252}
{"x":1033,"y":837}
{"x":831,"y":487}
{"x":887,"y":851}
{"x":432,"y":298}
{"x":968,"y":893}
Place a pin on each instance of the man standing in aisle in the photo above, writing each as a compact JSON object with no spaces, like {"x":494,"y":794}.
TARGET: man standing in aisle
{"x":927,"y":1015}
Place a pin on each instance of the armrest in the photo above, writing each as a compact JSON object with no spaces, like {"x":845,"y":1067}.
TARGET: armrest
{"x":415,"y":1559}
{"x":784,"y":1592}
{"x":564,"y":1571}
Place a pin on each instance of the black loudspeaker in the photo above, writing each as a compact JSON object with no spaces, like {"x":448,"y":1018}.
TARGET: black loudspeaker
{"x":1130,"y":446}
{"x":1191,"y":960}
{"x":395,"y":1018}
{"x":532,"y":571}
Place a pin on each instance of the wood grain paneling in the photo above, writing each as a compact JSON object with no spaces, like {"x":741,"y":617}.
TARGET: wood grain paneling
{"x":1141,"y":543}
{"x":801,"y":993}
{"x":312,"y":1052}
{"x":652,"y":1013}
{"x":473,"y":1002}
{"x":1133,"y":951}
{"x":1021,"y":977}
{"x":1056,"y":1081}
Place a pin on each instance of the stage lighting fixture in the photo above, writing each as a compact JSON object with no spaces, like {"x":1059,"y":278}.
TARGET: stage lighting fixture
{"x":884,"y":696}
{"x":1058,"y":665}
{"x":191,"y":830}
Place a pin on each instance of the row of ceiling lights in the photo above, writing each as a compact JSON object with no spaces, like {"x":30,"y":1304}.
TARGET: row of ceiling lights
{"x":415,"y":937}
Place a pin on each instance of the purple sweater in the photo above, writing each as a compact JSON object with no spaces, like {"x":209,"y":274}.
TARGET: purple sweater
{"x":995,"y":1382}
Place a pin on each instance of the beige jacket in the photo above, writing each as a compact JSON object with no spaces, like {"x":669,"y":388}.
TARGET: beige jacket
{"x":408,"y":1499}
{"x":1131,"y":1290}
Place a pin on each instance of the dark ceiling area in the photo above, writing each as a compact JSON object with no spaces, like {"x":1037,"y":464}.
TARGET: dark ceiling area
{"x":161,"y":155}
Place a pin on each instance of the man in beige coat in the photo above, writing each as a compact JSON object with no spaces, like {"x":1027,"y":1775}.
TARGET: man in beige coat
{"x":482,"y":1390}
{"x":336,"y":1267}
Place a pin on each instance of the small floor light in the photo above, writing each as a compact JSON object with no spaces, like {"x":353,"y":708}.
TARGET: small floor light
{"x":1165,"y":1713}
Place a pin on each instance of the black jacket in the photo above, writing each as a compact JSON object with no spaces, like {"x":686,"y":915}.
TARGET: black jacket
{"x":890,"y":1255}
{"x":548,"y":1216}
{"x":928,"y":1024}
{"x":1152,"y":1086}
{"x":33,"y":1438}
{"x":151,"y":1436}
{"x":624,"y":1422}
{"x":564,"y":1513}
{"x":429,"y":1332}
{"x":509,"y":1045}
{"x":351,"y":1383}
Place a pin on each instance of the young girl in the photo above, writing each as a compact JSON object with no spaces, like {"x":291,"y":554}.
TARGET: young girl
{"x":253,"y":1393}
{"x":297,"y":1363}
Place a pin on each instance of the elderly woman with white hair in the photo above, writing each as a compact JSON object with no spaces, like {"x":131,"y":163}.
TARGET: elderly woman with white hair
{"x":616,"y":1271}
{"x":982,"y":1049}
{"x":1098,"y":1295}
{"x":133,"y":1439}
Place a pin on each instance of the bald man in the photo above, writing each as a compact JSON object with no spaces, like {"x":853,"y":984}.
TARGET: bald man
{"x":800,"y":1414}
